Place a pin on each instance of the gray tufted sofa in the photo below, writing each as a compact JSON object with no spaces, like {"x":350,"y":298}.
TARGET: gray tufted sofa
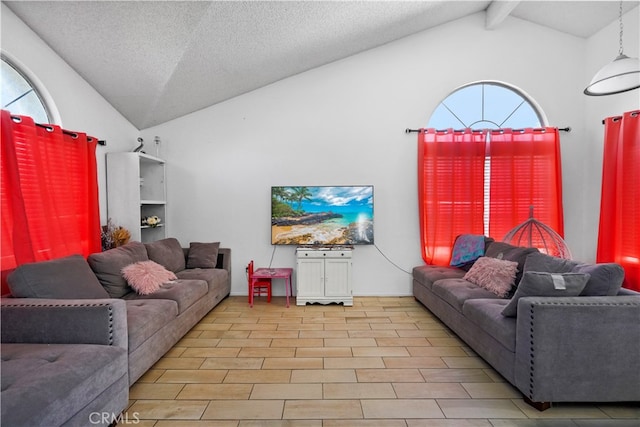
{"x":53,"y":374}
{"x":582,"y":348}
{"x":75,"y":336}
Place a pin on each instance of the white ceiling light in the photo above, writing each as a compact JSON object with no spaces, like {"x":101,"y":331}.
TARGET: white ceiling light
{"x":621,"y":75}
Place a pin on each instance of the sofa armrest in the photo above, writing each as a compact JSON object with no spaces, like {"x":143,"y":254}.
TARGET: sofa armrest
{"x":57,"y":321}
{"x":578,"y":349}
{"x":224,"y":259}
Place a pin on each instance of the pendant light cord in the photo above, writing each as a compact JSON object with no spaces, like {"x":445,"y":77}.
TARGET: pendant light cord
{"x":620,"y":53}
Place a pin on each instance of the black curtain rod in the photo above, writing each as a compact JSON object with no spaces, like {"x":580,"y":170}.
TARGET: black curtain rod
{"x":407,"y":130}
{"x":72,"y":134}
{"x":66,"y":132}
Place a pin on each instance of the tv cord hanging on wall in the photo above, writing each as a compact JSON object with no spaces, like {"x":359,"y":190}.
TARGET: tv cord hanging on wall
{"x":374,"y":245}
{"x":389,"y":260}
{"x":273,"y":252}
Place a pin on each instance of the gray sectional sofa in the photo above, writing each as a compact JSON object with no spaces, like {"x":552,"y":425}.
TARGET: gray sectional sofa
{"x":579,"y":348}
{"x":76,"y":336}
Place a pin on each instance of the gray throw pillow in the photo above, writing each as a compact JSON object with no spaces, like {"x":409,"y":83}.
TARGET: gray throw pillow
{"x":538,"y":284}
{"x":64,"y":278}
{"x":548,"y":263}
{"x":203,"y":255}
{"x":108,"y":266}
{"x":606,"y":278}
{"x":168,"y":253}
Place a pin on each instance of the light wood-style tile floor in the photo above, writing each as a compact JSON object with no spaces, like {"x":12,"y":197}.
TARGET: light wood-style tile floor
{"x":386,"y":361}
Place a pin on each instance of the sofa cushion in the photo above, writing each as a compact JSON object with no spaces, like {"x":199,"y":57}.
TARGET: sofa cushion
{"x":487,"y":315}
{"x":214,"y":277}
{"x":203,"y":255}
{"x":145,"y":317}
{"x":108,"y":266}
{"x":145,"y":277}
{"x":429,"y":274}
{"x":167,"y":252}
{"x":606,"y":278}
{"x":537,"y":284}
{"x":493,"y":274}
{"x":183,"y":292}
{"x":34,"y":376}
{"x":457,"y":291}
{"x":509,"y":252}
{"x":64,"y":278}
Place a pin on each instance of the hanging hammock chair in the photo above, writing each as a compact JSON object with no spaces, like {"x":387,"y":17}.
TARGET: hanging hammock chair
{"x":535,"y":234}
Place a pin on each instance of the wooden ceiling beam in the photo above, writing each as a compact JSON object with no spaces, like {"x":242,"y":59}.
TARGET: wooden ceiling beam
{"x":498,"y":11}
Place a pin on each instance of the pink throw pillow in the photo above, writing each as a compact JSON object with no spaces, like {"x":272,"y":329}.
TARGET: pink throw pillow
{"x":493,"y":274}
{"x":146,"y":277}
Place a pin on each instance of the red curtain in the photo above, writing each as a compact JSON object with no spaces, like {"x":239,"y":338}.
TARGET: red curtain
{"x":460,"y":172}
{"x":619,"y":231}
{"x":49,"y":193}
{"x":450,"y":185}
{"x":525,"y":172}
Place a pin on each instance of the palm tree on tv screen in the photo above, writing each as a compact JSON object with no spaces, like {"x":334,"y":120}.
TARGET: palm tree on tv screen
{"x":299,"y":194}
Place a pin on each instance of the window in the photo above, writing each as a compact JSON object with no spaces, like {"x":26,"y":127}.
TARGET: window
{"x":49,"y":193}
{"x":20,"y":96}
{"x":49,"y":200}
{"x":485,"y":159}
{"x":487,"y":105}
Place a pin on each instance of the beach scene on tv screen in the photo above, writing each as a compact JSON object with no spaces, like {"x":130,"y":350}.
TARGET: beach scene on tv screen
{"x":341,"y":215}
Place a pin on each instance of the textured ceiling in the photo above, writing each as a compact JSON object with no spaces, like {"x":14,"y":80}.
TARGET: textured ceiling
{"x":158,"y":60}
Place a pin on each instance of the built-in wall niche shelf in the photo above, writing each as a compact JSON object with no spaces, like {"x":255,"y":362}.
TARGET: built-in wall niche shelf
{"x":136,"y":189}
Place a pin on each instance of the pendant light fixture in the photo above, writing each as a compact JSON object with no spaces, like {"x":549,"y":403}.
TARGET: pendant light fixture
{"x":619,"y":76}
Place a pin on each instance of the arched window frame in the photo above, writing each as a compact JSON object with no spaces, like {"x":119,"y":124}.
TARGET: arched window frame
{"x":48,"y":105}
{"x":526,"y":98}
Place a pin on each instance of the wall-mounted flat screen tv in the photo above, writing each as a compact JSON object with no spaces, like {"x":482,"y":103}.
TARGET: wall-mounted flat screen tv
{"x":322,"y":215}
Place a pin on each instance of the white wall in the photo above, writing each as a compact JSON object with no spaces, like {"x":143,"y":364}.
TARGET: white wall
{"x":79,"y":107}
{"x":344,"y":124}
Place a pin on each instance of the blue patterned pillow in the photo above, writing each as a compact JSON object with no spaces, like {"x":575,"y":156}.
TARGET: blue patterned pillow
{"x":467,"y":248}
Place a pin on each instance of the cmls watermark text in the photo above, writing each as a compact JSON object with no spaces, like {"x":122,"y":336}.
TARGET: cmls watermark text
{"x":108,"y":418}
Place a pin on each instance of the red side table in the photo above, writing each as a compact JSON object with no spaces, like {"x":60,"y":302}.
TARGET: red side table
{"x":272,"y":273}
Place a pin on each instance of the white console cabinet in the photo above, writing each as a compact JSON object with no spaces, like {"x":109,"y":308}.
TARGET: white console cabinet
{"x":323,"y":276}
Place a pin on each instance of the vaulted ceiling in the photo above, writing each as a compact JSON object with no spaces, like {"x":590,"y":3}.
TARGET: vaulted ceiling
{"x":158,"y":60}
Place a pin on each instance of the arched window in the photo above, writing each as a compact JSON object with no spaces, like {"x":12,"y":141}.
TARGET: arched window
{"x":487,"y":105}
{"x":486,"y":158}
{"x":20,"y":96}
